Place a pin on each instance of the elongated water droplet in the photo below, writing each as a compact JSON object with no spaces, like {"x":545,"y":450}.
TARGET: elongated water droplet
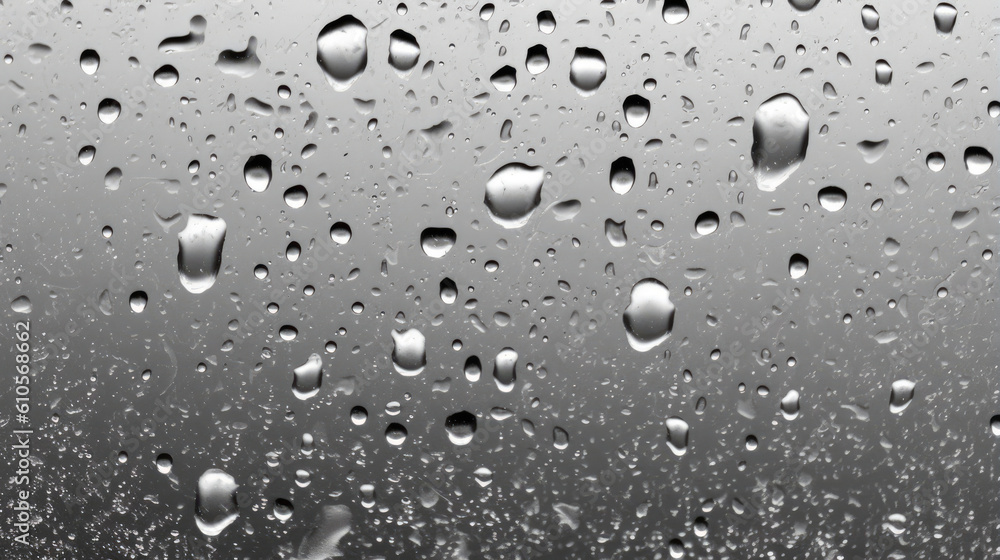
{"x":706,"y":223}
{"x":461,"y":427}
{"x":901,"y":395}
{"x":216,"y":506}
{"x":790,"y":405}
{"x":622,"y":175}
{"x":649,"y":316}
{"x":308,"y":377}
{"x":505,"y":369}
{"x":587,"y":70}
{"x":239,"y":63}
{"x":199,"y":255}
{"x":678,"y":432}
{"x":342,"y":51}
{"x":780,"y":140}
{"x":448,"y":291}
{"x":409,"y":352}
{"x":537,"y":59}
{"x":137,"y":301}
{"x":945,"y":16}
{"x":473,"y":368}
{"x":257,"y":172}
{"x":883,"y":72}
{"x":636,"y":109}
{"x":869,"y":17}
{"x":513,"y":192}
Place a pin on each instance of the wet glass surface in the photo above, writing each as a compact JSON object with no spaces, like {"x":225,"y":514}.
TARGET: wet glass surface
{"x":534,"y":280}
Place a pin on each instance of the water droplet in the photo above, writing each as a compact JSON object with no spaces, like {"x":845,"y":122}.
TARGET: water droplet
{"x":962,"y":219}
{"x":978,"y":160}
{"x":505,"y":369}
{"x":883,"y":72}
{"x":296,"y":197}
{"x":936,"y":161}
{"x":137,"y":301}
{"x":409,"y":352}
{"x":307,"y":378}
{"x":706,"y":223}
{"x":649,"y":316}
{"x":780,"y":140}
{"x":461,"y":427}
{"x":677,"y":435}
{"x":448,"y":291}
{"x":108,"y":110}
{"x":873,"y":150}
{"x":90,"y":61}
{"x":798,"y":266}
{"x":199,"y":256}
{"x":257,"y":172}
{"x":537,"y":59}
{"x":675,"y":11}
{"x":395,"y":434}
{"x":560,"y":438}
{"x":587,"y":70}
{"x":869,"y":17}
{"x":239,"y":63}
{"x":901,"y":395}
{"x":803,"y":5}
{"x":342,"y":51}
{"x":622,"y":175}
{"x":436,"y":242}
{"x":359,"y":415}
{"x":513,"y":192}
{"x":21,"y":304}
{"x":790,"y":405}
{"x":164,"y":463}
{"x":615,"y":232}
{"x":404,"y":52}
{"x":215,"y":503}
{"x":473,"y":368}
{"x":636,"y":109}
{"x":340,"y":232}
{"x":504,"y":79}
{"x":945,"y":16}
{"x":283,"y":509}
{"x":166,"y":76}
{"x":832,"y":199}
{"x":546,"y":22}
{"x":87,"y":154}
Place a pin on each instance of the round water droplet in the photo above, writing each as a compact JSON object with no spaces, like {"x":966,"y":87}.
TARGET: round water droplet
{"x":137,"y":301}
{"x":90,"y":61}
{"x":395,"y":434}
{"x":649,"y":316}
{"x":340,"y":233}
{"x":832,"y":199}
{"x":537,"y":59}
{"x":164,"y":463}
{"x":166,"y":76}
{"x":978,"y":160}
{"x":283,"y":509}
{"x":296,"y":197}
{"x":513,"y":192}
{"x":342,"y":51}
{"x":436,"y":242}
{"x":707,"y":223}
{"x":546,"y":22}
{"x":359,"y":415}
{"x":675,"y":11}
{"x":108,"y":110}
{"x":21,"y":304}
{"x":636,"y":109}
{"x":461,"y":427}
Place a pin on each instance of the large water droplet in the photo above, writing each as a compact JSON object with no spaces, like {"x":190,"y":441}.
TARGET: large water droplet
{"x":199,"y":256}
{"x":461,"y":427}
{"x":21,"y":304}
{"x":308,"y":377}
{"x":409,"y":352}
{"x":505,"y":369}
{"x":320,"y":543}
{"x":587,"y":70}
{"x":342,"y":51}
{"x":798,"y":266}
{"x":780,"y":140}
{"x":677,"y":435}
{"x":790,"y":405}
{"x":513,"y":193}
{"x":90,"y":61}
{"x":675,"y":11}
{"x":978,"y":160}
{"x":166,"y":76}
{"x":803,"y":5}
{"x":108,"y":110}
{"x":615,"y":232}
{"x":636,"y":109}
{"x":869,"y":17}
{"x":395,"y":434}
{"x":832,"y":199}
{"x":537,"y":59}
{"x":901,"y":395}
{"x":504,"y":79}
{"x":239,"y":63}
{"x":622,"y":175}
{"x":883,"y":72}
{"x":404,"y":52}
{"x":215,"y":503}
{"x":706,"y":223}
{"x":257,"y":172}
{"x":945,"y":16}
{"x":649,"y":316}
{"x":436,"y":242}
